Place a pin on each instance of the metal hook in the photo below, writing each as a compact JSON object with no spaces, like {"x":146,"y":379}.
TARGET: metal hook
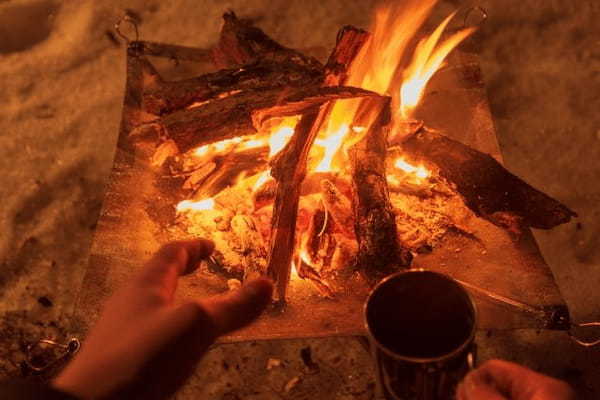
{"x":483,"y":13}
{"x":583,"y":342}
{"x":127,"y":18}
{"x":70,"y":348}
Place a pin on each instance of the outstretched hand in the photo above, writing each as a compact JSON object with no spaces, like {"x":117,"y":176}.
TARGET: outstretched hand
{"x":503,"y":380}
{"x":144,"y":346}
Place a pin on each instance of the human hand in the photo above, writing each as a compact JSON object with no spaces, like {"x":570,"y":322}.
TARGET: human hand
{"x":503,"y":380}
{"x":143,"y":346}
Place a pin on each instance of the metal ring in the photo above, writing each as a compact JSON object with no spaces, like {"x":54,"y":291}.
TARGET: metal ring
{"x":127,"y":18}
{"x":585,"y":343}
{"x":483,"y":13}
{"x":70,"y":348}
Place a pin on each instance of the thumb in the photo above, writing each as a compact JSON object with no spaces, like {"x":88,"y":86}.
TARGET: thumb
{"x":237,"y":309}
{"x":473,"y":387}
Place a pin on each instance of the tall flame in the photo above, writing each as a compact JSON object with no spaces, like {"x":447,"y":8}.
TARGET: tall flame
{"x":377,"y":68}
{"x":427,"y":59}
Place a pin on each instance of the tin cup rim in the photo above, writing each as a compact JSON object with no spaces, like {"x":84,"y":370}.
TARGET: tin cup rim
{"x":458,"y":350}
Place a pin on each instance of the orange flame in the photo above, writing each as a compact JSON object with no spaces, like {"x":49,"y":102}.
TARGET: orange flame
{"x":331,"y":144}
{"x":262,"y":179}
{"x":279,"y":139}
{"x":427,"y":59}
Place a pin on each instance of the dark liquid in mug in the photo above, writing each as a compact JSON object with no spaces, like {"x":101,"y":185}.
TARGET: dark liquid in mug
{"x":420,"y":315}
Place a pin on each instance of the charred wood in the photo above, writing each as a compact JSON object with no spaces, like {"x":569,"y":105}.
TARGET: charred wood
{"x":339,"y":207}
{"x":228,"y":169}
{"x":349,"y":42}
{"x":241,"y":43}
{"x":289,"y":169}
{"x":379,"y":250}
{"x":166,"y":97}
{"x":488,"y":189}
{"x":243,"y":113}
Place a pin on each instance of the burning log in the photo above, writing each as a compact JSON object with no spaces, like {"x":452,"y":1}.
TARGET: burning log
{"x":289,"y":169}
{"x":319,"y":244}
{"x":339,"y":207}
{"x":166,"y":97}
{"x":379,"y":250}
{"x":487,"y":187}
{"x":228,"y":169}
{"x":265,"y":194}
{"x":349,"y":42}
{"x":306,"y":271}
{"x":241,"y":43}
{"x":242,"y":113}
{"x":198,"y":176}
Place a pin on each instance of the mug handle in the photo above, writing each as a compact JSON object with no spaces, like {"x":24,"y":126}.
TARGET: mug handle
{"x":581,"y":342}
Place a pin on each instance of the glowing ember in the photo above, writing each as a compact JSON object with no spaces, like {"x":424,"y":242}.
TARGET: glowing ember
{"x":186,"y":205}
{"x":420,"y":171}
{"x":427,"y":59}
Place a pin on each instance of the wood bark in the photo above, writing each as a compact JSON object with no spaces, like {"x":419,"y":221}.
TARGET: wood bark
{"x":349,"y":42}
{"x":289,"y":168}
{"x":228,"y":169}
{"x":165,"y":97}
{"x":241,"y":43}
{"x":379,"y":250}
{"x":243,"y":113}
{"x":339,"y":207}
{"x":488,"y":189}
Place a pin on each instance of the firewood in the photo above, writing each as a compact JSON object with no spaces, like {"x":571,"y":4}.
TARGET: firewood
{"x":241,"y":43}
{"x":165,"y":97}
{"x":243,"y":113}
{"x":252,"y":246}
{"x":228,"y":169}
{"x":163,"y":151}
{"x":349,"y":42}
{"x":344,"y":256}
{"x":339,"y":207}
{"x":265,"y":194}
{"x":198,"y":176}
{"x":306,"y":271}
{"x":288,"y":169}
{"x":319,"y":243}
{"x":487,"y":188}
{"x":379,"y":250}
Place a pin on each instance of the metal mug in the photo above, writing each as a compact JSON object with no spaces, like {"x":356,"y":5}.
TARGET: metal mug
{"x":421,"y":326}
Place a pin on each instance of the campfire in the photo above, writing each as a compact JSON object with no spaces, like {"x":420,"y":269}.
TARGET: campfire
{"x":324,"y":173}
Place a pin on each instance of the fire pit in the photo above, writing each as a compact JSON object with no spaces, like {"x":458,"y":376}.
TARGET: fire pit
{"x":326,"y":177}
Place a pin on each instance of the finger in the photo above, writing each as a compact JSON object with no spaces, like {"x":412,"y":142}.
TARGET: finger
{"x":238,"y":308}
{"x":473,"y":388}
{"x":519,"y":382}
{"x":171,"y":261}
